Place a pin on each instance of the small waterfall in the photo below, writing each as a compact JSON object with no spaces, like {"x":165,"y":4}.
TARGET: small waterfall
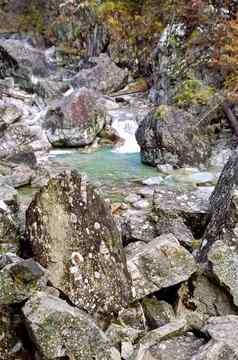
{"x":126,"y":125}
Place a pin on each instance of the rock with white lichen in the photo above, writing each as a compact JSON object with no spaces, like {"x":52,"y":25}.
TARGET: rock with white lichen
{"x":60,"y":330}
{"x":161,"y":263}
{"x":72,"y":233}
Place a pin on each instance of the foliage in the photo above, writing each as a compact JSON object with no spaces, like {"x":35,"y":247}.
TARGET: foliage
{"x":32,"y":20}
{"x":193,"y":91}
{"x":227,"y":57}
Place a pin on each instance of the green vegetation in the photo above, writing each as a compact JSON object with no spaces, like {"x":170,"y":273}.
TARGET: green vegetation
{"x":32,"y":20}
{"x":193,"y":91}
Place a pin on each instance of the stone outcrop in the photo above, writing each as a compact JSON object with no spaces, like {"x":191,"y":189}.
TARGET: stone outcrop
{"x":72,"y":234}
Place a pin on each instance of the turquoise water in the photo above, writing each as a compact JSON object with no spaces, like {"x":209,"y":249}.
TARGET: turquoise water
{"x":107,"y":167}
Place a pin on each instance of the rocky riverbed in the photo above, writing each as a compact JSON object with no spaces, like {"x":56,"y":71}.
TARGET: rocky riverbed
{"x":118,"y":186}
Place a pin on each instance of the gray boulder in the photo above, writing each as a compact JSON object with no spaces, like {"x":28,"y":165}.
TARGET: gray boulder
{"x":72,"y":233}
{"x":204,"y":298}
{"x":136,"y":225}
{"x":223,"y":333}
{"x":76,"y":120}
{"x":176,"y":137}
{"x":21,"y":138}
{"x":159,"y":264}
{"x":215,"y":350}
{"x":19,"y":280}
{"x":103,"y":75}
{"x":157,"y":313}
{"x":178,"y":348}
{"x":28,"y":57}
{"x":184,"y":213}
{"x":59,"y":330}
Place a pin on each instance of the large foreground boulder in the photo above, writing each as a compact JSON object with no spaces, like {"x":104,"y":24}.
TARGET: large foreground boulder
{"x":59,"y":330}
{"x":72,"y":234}
{"x":75,"y":121}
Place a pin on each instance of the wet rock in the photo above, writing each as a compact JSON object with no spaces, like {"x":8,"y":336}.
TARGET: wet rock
{"x":178,"y":348}
{"x":160,"y":263}
{"x":157,"y":313}
{"x":156,"y":180}
{"x":59,"y":330}
{"x":165,"y":168}
{"x":104,"y":75}
{"x":20,"y":280}
{"x":76,"y":120}
{"x":184,"y":207}
{"x":72,"y":233}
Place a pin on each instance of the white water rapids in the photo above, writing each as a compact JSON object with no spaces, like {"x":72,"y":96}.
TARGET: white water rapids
{"x":124,"y":122}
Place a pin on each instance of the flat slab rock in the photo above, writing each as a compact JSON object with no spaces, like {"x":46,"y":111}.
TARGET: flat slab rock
{"x":72,"y":233}
{"x":178,"y":348}
{"x":161,"y":263}
{"x":190,"y":206}
{"x":58,"y":329}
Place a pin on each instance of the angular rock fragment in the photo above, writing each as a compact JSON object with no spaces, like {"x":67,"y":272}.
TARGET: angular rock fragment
{"x":173,"y":206}
{"x":72,"y":233}
{"x":59,"y":330}
{"x":159,"y":264}
{"x":157,"y":313}
{"x":19,"y":280}
{"x":8,"y":229}
{"x":215,"y":350}
{"x":223,"y":332}
{"x":178,"y":348}
{"x":205,"y":298}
